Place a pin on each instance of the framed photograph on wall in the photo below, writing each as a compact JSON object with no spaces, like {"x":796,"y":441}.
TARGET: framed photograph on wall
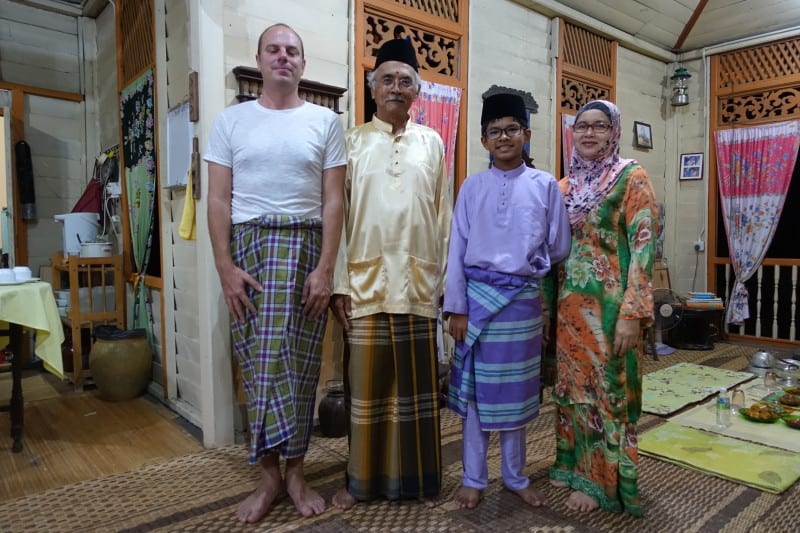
{"x":642,"y":135}
{"x":691,"y":167}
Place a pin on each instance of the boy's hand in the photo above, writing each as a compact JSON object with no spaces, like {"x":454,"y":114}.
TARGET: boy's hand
{"x":458,"y":326}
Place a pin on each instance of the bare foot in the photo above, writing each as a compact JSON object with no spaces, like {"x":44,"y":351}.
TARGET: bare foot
{"x":431,"y":501}
{"x":559,"y":484}
{"x":343,"y":500}
{"x":258,"y":504}
{"x":579,"y":501}
{"x":531,"y":496}
{"x":307,"y":501}
{"x":467,"y":497}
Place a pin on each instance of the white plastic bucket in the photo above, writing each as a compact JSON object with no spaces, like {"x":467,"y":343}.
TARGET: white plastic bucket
{"x":84,"y":224}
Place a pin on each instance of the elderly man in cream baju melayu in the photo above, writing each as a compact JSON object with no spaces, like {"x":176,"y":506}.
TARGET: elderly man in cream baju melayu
{"x":387,"y":289}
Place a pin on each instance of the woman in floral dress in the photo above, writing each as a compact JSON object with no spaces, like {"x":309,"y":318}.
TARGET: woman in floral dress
{"x":604,"y":298}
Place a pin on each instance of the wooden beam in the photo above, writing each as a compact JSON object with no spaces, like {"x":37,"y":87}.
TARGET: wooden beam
{"x":18,"y":134}
{"x":40,"y":91}
{"x":701,"y":5}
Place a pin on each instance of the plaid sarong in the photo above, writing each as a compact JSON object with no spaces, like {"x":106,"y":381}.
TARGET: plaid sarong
{"x":497,"y":366}
{"x":279,"y":350}
{"x":392,"y":389}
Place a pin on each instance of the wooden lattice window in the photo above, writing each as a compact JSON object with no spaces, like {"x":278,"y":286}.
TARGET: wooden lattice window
{"x":444,"y":9}
{"x":585,"y":51}
{"x":771,"y":64}
{"x":435,"y":52}
{"x":136,"y":50}
{"x":586,"y":71}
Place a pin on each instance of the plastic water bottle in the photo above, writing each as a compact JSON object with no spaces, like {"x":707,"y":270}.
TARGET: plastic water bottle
{"x":723,"y":408}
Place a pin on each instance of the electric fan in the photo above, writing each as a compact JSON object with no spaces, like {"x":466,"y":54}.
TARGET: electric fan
{"x":668,"y":309}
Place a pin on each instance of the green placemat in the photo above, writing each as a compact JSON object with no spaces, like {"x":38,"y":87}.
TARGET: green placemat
{"x":669,"y":389}
{"x":761,"y":467}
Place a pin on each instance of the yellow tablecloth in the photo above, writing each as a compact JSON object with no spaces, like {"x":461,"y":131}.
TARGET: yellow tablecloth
{"x":33,"y":306}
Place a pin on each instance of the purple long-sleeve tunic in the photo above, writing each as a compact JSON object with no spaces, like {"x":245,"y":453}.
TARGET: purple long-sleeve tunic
{"x":512,"y":222}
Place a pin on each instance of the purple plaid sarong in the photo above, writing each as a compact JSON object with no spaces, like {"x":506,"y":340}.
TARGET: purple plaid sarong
{"x":279,"y":350}
{"x":497,"y":366}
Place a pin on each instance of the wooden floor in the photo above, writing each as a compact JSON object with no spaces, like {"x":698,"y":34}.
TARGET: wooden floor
{"x":76,"y":436}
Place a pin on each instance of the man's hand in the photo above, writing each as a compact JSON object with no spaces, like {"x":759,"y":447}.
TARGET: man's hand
{"x":234,"y":287}
{"x":316,"y":294}
{"x":626,"y":336}
{"x":458,"y":326}
{"x":340,"y":305}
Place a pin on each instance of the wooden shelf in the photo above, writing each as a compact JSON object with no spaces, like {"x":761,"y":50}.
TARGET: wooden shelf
{"x":94,"y":277}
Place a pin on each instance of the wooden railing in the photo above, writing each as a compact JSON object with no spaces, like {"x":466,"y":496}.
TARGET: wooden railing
{"x":773,"y":295}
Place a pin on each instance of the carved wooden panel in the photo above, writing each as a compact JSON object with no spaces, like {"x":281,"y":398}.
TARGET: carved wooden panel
{"x":435,"y":53}
{"x":136,"y":38}
{"x":588,"y":51}
{"x":575,"y":93}
{"x":767,"y":106}
{"x":445,"y":9}
{"x":768,"y":62}
{"x":248,"y":87}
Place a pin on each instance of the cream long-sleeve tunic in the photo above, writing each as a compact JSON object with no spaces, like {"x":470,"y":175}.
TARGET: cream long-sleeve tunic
{"x":398,"y":208}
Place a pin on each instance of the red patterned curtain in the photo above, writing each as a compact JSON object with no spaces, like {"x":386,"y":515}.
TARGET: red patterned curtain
{"x":754,"y":169}
{"x":566,"y":142}
{"x":437,"y":107}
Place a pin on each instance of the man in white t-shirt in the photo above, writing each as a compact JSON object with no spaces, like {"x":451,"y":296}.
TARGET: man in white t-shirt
{"x":276,"y":172}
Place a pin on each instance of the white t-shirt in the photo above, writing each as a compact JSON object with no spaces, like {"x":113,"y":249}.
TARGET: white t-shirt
{"x":277,"y":157}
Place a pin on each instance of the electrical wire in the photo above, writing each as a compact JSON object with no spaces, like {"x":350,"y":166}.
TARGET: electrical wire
{"x":696,"y":265}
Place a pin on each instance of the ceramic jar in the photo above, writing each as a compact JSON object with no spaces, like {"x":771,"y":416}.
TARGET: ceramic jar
{"x":121,"y":362}
{"x":334,"y":421}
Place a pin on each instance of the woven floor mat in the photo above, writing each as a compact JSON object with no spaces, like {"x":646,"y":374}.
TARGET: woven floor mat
{"x":200,"y":492}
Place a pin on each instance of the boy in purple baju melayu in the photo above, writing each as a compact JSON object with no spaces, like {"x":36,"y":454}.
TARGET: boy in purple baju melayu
{"x":509,"y":227}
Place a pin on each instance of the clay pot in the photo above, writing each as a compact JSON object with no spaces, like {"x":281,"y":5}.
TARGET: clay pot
{"x":334,"y":421}
{"x":121,"y":362}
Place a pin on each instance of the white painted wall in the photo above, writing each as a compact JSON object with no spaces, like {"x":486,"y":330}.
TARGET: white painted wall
{"x":518,"y":57}
{"x":38,"y":48}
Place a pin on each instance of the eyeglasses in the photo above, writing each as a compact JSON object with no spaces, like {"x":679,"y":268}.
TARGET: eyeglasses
{"x":514,"y":130}
{"x":597,"y":127}
{"x":404,"y":81}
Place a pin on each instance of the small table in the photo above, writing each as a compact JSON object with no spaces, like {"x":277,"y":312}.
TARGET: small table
{"x":30,"y":305}
{"x":697,"y":329}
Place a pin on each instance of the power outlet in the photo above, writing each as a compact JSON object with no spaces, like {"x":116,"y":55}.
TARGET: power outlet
{"x":113,"y":189}
{"x":699,"y":246}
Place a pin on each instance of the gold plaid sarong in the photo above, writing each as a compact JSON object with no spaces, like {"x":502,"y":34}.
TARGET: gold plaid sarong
{"x":391,"y":384}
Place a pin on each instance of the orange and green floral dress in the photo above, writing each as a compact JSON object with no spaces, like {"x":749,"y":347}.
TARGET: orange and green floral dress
{"x":606,"y":277}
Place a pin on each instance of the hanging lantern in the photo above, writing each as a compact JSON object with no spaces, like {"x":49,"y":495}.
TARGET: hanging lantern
{"x":680,"y":96}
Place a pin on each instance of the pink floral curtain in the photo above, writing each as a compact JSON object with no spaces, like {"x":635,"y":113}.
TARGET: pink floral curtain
{"x":437,"y":107}
{"x":566,"y":142}
{"x":754,"y":169}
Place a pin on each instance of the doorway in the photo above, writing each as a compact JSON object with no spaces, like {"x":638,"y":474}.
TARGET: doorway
{"x":6,"y":182}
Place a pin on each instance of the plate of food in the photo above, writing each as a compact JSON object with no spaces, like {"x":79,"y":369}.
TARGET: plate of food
{"x":792,"y":400}
{"x":792,"y":390}
{"x":792,"y":421}
{"x":762,"y":412}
